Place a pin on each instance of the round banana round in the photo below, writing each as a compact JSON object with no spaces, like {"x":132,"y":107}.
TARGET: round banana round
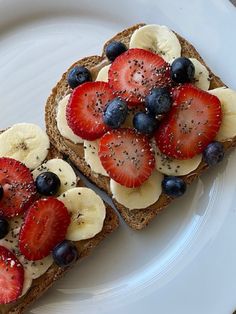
{"x":103,"y":74}
{"x":202,"y":76}
{"x":62,"y":169}
{"x":91,"y":157}
{"x":25,"y":142}
{"x":175,"y":167}
{"x":27,"y":281}
{"x":62,"y":124}
{"x":158,"y":39}
{"x":227,"y":98}
{"x":87,"y":212}
{"x":141,"y":197}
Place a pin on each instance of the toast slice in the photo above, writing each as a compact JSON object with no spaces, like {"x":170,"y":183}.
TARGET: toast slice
{"x":85,"y":247}
{"x":137,"y":218}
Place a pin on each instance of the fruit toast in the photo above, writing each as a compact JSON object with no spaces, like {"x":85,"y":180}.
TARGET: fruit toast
{"x":143,"y":120}
{"x":48,"y":220}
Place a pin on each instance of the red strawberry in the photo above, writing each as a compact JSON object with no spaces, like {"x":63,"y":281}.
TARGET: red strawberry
{"x":18,"y":187}
{"x":45,"y":225}
{"x":135,"y":72}
{"x":127,"y":156}
{"x":191,"y":125}
{"x":85,"y":109}
{"x":11,"y":276}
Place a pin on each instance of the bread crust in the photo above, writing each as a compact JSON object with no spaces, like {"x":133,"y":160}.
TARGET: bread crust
{"x":85,"y":247}
{"x":137,"y":218}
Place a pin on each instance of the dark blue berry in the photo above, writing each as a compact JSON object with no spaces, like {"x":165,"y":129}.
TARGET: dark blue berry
{"x":182,"y":70}
{"x":158,"y":101}
{"x":144,"y":123}
{"x":4,"y":227}
{"x":115,"y":112}
{"x":47,"y":183}
{"x":173,"y":186}
{"x":1,"y":192}
{"x":114,"y":49}
{"x":65,"y":253}
{"x":78,"y":75}
{"x":213,"y":153}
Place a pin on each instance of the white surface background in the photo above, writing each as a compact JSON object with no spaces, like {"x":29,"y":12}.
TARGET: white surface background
{"x":185,"y":262}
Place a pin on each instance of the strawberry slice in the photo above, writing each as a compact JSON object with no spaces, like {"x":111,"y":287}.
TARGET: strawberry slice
{"x":135,"y":72}
{"x":11,"y":276}
{"x":85,"y":109}
{"x":18,"y":187}
{"x":127,"y":156}
{"x":191,"y":125}
{"x":45,"y":225}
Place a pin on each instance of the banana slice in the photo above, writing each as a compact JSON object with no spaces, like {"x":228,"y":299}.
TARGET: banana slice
{"x":103,"y":74}
{"x":27,"y":282}
{"x":62,"y":124}
{"x":62,"y":169}
{"x":175,"y":167}
{"x":91,"y":157}
{"x":25,"y":142}
{"x":87,"y":213}
{"x":136,"y":198}
{"x":227,"y":98}
{"x":158,"y":39}
{"x":202,"y":76}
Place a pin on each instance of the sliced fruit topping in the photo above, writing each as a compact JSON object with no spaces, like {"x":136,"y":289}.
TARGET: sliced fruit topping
{"x":114,"y":49}
{"x":191,"y":124}
{"x":85,"y":109}
{"x":213,"y":153}
{"x":18,"y":187}
{"x":173,"y":186}
{"x":11,"y":276}
{"x":78,"y":75}
{"x":45,"y":226}
{"x":127,"y":156}
{"x":134,"y":73}
{"x":65,"y":253}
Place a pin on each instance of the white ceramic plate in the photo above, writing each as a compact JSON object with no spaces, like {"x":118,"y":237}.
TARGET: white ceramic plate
{"x":185,"y":262}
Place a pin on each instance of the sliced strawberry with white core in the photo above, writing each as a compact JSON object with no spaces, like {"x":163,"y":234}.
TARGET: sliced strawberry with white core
{"x":84,"y":111}
{"x":18,"y":187}
{"x":11,"y":276}
{"x":45,"y":225}
{"x":127,"y":156}
{"x":192,"y":123}
{"x":135,"y":72}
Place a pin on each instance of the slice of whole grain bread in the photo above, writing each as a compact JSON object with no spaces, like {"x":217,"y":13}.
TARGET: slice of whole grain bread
{"x":137,"y":218}
{"x":85,"y":247}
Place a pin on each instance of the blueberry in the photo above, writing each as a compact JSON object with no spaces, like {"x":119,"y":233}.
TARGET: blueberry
{"x":182,"y":70}
{"x":173,"y":186}
{"x":158,"y":101}
{"x":1,"y":192}
{"x":4,"y":227}
{"x":114,"y":49}
{"x":115,"y":112}
{"x":78,"y":75}
{"x":65,"y":253}
{"x":144,"y":123}
{"x":213,"y":153}
{"x":47,"y":183}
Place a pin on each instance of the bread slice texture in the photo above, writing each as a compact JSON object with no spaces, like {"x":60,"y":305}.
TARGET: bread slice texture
{"x":85,"y":247}
{"x":137,"y":218}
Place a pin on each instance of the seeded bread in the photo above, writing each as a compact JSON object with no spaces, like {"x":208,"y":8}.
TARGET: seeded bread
{"x":41,"y":284}
{"x":137,"y":218}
